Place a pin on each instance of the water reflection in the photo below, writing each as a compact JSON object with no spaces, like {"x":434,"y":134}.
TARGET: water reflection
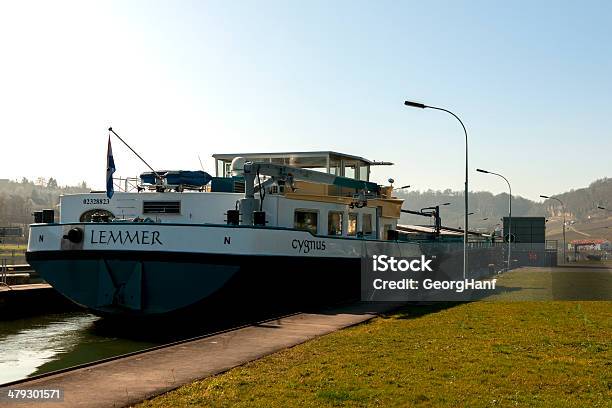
{"x":37,"y":345}
{"x":46,"y":343}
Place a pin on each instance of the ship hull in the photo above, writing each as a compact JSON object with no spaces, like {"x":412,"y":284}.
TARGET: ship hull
{"x":158,"y":284}
{"x":145,"y":270}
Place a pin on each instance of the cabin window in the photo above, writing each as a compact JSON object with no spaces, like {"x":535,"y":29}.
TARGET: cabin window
{"x":349,"y":171}
{"x":334,"y":223}
{"x":334,"y":167}
{"x":161,"y":207}
{"x":224,"y":169}
{"x":306,"y":220}
{"x":220,"y":168}
{"x":366,"y":221}
{"x":352,"y":224}
{"x":364,"y":172}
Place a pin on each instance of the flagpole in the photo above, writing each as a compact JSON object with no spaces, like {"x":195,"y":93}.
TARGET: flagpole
{"x":110,"y":129}
{"x":110,"y":170}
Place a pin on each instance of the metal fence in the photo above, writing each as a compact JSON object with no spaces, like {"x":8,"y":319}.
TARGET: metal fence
{"x":486,"y":258}
{"x":13,"y":256}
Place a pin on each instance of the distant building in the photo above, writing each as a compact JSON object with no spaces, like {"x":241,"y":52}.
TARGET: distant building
{"x":591,"y":244}
{"x":523,"y":230}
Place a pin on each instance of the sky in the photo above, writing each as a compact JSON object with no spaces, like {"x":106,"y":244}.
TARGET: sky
{"x":180,"y":79}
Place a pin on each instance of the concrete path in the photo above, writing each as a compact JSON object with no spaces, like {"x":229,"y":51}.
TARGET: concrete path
{"x":132,"y":379}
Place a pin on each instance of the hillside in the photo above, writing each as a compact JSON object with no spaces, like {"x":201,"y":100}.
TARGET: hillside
{"x":19,"y":199}
{"x":581,"y":209}
{"x":582,"y":203}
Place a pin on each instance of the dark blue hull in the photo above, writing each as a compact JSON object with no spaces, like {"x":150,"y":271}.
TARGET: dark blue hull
{"x":157,"y":284}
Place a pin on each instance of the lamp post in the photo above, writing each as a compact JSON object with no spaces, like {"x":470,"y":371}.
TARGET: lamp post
{"x":435,"y":213}
{"x":459,"y":218}
{"x":563,"y":207}
{"x":509,"y":212}
{"x":434,"y":206}
{"x":465,"y":233}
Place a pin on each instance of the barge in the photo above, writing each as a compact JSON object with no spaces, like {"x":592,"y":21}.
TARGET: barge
{"x":269,"y":227}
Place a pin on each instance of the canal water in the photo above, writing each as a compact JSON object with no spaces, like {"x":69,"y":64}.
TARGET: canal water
{"x":37,"y":345}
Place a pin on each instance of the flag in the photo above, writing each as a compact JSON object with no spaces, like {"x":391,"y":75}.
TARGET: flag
{"x":110,"y":169}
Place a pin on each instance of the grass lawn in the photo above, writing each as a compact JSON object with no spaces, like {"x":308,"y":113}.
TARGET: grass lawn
{"x":13,"y":253}
{"x":560,"y":283}
{"x":471,"y":354}
{"x":9,"y":247}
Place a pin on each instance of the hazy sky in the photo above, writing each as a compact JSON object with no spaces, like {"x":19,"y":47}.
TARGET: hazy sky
{"x":531,"y":80}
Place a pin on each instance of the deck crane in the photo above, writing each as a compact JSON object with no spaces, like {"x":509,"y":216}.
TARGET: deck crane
{"x":285,"y":175}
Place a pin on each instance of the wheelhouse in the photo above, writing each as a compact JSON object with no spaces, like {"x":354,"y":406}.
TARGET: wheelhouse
{"x":338,"y":164}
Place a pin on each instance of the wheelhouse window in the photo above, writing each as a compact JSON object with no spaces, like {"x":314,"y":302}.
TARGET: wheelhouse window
{"x":364,"y":173}
{"x":334,"y":167}
{"x":349,"y":171}
{"x":367,"y":224}
{"x":306,"y":220}
{"x":352,"y":224}
{"x":334,"y":223}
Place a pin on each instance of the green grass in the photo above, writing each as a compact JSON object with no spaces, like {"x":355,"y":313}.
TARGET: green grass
{"x":13,"y":253}
{"x":10,"y":247}
{"x":561,"y":283}
{"x":475,"y":354}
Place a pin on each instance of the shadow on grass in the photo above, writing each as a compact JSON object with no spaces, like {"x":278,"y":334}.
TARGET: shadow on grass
{"x":415,"y":310}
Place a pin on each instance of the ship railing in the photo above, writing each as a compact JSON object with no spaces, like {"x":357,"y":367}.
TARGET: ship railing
{"x":132,"y":184}
{"x":127,"y":184}
{"x":4,"y":273}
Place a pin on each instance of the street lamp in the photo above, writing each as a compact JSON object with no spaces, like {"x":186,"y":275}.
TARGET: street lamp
{"x":459,"y":218}
{"x":563,"y":207}
{"x":465,"y":233}
{"x":436,"y":215}
{"x":433,"y":207}
{"x":509,"y":212}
